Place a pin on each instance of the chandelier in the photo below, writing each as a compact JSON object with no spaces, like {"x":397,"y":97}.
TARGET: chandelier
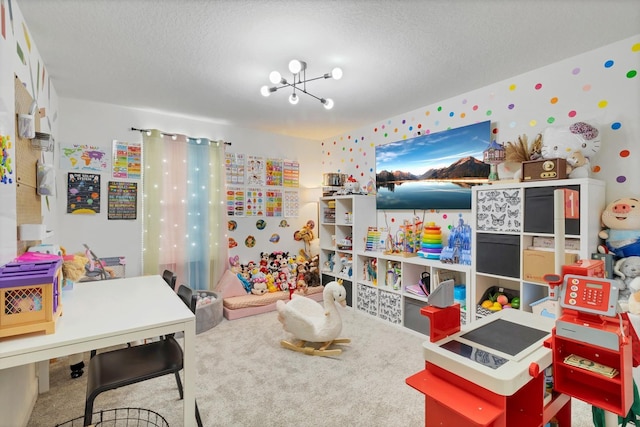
{"x":299,"y":82}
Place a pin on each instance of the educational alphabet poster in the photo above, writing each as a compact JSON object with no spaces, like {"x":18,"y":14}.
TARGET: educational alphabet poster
{"x":83,"y":193}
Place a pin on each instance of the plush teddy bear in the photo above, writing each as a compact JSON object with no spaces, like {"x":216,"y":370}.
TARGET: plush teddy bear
{"x":628,"y":272}
{"x":622,"y":235}
{"x":576,"y":143}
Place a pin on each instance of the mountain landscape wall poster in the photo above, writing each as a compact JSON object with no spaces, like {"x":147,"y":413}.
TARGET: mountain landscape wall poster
{"x":433,"y":171}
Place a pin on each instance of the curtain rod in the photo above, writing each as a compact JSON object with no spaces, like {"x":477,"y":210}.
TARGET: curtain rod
{"x":173,"y":134}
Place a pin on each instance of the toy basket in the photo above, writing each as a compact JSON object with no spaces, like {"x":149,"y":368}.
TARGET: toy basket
{"x":121,"y":417}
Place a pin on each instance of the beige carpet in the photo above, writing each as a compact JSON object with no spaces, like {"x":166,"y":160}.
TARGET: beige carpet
{"x":246,"y":379}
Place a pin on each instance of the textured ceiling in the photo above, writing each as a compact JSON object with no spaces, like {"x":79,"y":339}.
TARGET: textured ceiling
{"x":208,"y":59}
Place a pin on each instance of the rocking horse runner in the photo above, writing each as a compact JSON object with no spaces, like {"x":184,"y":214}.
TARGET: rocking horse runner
{"x":309,"y":321}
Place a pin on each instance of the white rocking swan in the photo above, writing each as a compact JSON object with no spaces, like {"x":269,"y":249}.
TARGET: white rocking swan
{"x":308,"y":321}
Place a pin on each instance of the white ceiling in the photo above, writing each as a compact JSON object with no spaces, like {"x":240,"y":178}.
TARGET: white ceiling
{"x":208,"y":59}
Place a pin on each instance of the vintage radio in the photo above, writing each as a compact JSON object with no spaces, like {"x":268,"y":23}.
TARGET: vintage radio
{"x":544,"y":170}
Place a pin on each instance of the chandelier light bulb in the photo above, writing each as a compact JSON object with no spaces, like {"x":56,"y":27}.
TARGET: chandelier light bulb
{"x":264,"y":91}
{"x":328,"y":103}
{"x":275,"y":77}
{"x":336,"y":73}
{"x":293,"y":99}
{"x":296,"y":66}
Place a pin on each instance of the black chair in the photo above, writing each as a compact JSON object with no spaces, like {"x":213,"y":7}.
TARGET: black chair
{"x":170,"y":278}
{"x":130,"y":365}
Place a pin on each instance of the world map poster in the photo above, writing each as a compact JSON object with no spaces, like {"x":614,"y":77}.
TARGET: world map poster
{"x":83,"y":157}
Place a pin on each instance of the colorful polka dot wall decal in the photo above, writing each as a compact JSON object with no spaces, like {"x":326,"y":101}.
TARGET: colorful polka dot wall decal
{"x":554,"y":100}
{"x":595,"y":169}
{"x":532,"y":123}
{"x":575,"y":71}
{"x":621,"y":179}
{"x":489,"y":112}
{"x":538,"y":86}
{"x":635,"y":47}
{"x":624,"y":153}
{"x":572,"y":113}
{"x":512,"y":87}
{"x":631,"y":74}
{"x":602,"y":104}
{"x":451,"y":114}
{"x":608,"y":64}
{"x":511,"y":106}
{"x":616,"y":125}
{"x":551,"y":120}
{"x":475,"y":108}
{"x":586,"y":88}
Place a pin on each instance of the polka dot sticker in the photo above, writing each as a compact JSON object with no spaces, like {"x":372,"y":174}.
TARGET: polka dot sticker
{"x":572,"y":113}
{"x":575,"y":71}
{"x":624,"y":153}
{"x":631,"y":74}
{"x":621,"y":179}
{"x":554,"y":100}
{"x":551,"y":120}
{"x":616,"y":125}
{"x":511,"y":106}
{"x":586,"y":88}
{"x":512,"y":87}
{"x":602,"y":104}
{"x":608,"y":64}
{"x":538,"y":86}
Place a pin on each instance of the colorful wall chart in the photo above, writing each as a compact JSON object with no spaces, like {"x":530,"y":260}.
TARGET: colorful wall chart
{"x":122,"y":200}
{"x":127,"y":160}
{"x":274,"y":172}
{"x":274,"y":202}
{"x":83,"y":193}
{"x":255,"y":171}
{"x":291,"y":174}
{"x":234,"y":168}
{"x":255,"y":202}
{"x":235,"y":201}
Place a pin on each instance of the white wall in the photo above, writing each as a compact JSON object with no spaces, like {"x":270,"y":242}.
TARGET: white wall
{"x":601,"y":85}
{"x":83,"y":122}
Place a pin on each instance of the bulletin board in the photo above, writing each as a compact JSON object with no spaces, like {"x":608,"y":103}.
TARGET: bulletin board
{"x":28,"y":202}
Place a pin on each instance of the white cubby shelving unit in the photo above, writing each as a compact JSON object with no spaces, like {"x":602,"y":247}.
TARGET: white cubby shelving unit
{"x":507,"y":217}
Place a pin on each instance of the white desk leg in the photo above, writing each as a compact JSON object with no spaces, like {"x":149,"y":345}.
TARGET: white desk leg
{"x":42,"y":368}
{"x":610,"y":419}
{"x":189,"y":374}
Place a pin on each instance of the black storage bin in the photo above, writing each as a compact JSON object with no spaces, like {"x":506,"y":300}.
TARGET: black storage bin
{"x":538,"y":211}
{"x":412,"y":317}
{"x":498,"y":254}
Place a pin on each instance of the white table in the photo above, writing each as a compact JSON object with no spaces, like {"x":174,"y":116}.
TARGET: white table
{"x":105,"y":313}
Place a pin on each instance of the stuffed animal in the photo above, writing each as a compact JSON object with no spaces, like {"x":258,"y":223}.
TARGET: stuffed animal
{"x":259,"y":281}
{"x":565,"y":142}
{"x":622,"y":235}
{"x":628,"y":269}
{"x":634,"y":303}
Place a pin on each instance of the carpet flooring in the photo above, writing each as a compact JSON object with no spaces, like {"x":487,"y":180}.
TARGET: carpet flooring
{"x":245,"y":378}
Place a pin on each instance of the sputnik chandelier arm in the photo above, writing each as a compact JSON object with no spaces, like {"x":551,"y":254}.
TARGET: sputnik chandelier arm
{"x":299,"y":82}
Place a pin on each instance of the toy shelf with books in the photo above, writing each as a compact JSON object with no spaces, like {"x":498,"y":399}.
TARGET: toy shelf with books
{"x":389,"y":286}
{"x":513,"y":236}
{"x":344,"y":220}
